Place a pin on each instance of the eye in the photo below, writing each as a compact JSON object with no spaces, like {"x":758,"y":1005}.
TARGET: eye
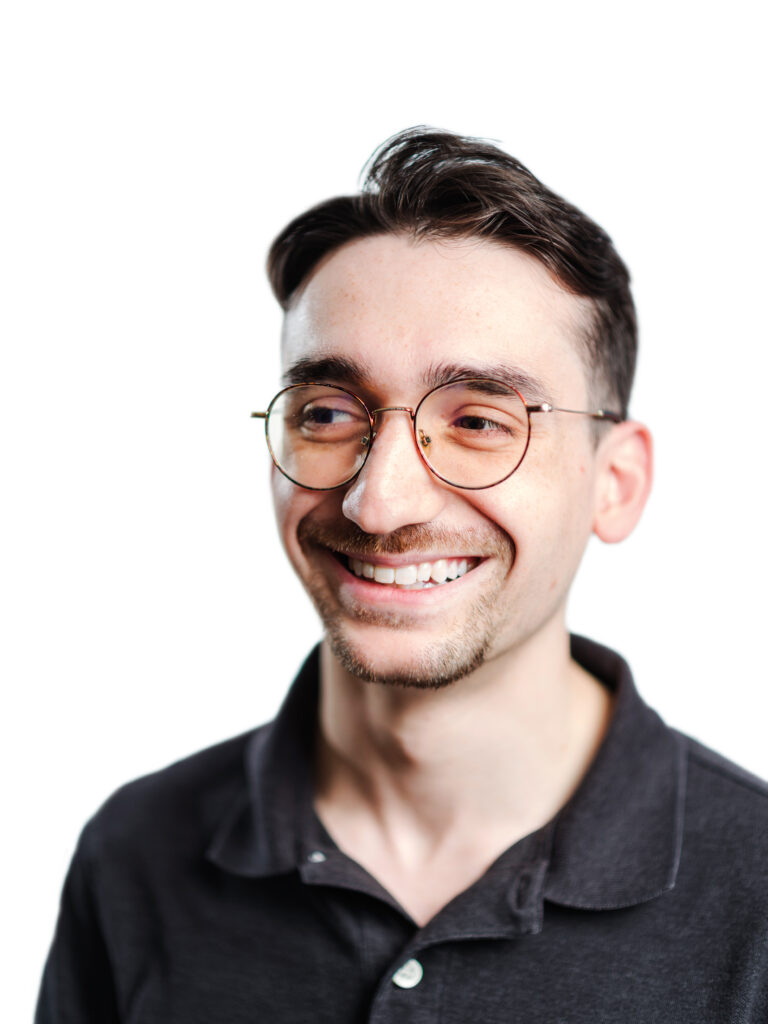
{"x":472,"y":425}
{"x":480,"y":423}
{"x":334,"y":419}
{"x":488,"y":421}
{"x":323,"y":415}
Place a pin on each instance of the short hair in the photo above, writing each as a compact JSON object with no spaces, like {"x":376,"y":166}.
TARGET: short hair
{"x":434,"y":184}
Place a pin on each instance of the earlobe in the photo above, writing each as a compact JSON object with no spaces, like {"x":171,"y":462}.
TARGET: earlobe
{"x":624,"y":481}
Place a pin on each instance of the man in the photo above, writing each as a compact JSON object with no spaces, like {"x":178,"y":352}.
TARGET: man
{"x":460,"y":812}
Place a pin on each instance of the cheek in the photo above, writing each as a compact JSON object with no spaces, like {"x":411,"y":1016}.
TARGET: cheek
{"x":547,"y":512}
{"x":282,"y":492}
{"x":523,"y":505}
{"x":291,"y":504}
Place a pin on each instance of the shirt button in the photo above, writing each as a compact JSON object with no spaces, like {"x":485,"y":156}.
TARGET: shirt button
{"x":316,"y":857}
{"x":409,"y":975}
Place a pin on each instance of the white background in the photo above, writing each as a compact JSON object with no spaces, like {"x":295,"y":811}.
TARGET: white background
{"x":151,"y":152}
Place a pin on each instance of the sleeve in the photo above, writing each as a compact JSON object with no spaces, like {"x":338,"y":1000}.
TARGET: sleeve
{"x":78,"y":985}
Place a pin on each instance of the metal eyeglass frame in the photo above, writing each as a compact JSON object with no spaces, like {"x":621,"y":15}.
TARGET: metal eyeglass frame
{"x":542,"y":407}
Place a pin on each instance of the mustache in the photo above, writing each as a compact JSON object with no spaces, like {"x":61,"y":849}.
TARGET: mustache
{"x":349,"y":538}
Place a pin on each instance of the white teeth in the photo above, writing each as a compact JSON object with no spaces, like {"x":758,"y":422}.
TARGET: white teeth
{"x":440,"y":571}
{"x":406,"y":574}
{"x":423,"y":574}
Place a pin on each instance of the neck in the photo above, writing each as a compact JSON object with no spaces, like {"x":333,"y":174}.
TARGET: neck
{"x":493,"y":756}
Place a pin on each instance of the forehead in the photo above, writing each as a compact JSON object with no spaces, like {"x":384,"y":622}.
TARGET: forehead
{"x":394,"y":306}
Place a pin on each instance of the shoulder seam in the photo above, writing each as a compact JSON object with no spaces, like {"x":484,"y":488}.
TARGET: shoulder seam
{"x":724,"y":772}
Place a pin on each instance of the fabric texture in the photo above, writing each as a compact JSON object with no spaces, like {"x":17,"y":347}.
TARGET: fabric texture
{"x":210,"y":892}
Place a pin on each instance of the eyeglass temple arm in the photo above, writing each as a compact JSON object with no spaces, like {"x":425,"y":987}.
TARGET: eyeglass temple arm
{"x":599,"y":414}
{"x":258,"y":415}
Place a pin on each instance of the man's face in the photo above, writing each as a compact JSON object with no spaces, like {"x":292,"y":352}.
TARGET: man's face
{"x":399,"y":313}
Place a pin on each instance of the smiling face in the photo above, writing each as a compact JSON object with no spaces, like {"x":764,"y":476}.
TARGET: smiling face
{"x":419,"y":582}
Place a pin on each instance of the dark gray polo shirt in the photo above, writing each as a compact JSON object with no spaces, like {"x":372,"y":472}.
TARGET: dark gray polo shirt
{"x":209,"y":893}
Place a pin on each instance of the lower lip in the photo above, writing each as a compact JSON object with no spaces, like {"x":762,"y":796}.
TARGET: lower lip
{"x":370,"y":592}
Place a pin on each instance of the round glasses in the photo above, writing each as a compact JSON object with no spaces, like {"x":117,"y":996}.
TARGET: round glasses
{"x":470,"y":433}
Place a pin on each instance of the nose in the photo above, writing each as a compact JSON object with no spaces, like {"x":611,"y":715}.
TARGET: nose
{"x":394,"y":488}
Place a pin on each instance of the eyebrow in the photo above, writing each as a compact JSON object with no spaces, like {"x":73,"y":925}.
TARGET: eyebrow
{"x":532,"y":388}
{"x":340,"y":370}
{"x":326,"y":370}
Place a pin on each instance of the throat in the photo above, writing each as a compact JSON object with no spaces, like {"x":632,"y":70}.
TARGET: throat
{"x":422,"y":881}
{"x":427,"y":789}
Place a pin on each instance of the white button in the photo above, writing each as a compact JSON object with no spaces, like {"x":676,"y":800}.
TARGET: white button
{"x":316,"y":857}
{"x":409,"y":975}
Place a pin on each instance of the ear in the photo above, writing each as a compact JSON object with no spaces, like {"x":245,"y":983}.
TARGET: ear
{"x":624,"y":480}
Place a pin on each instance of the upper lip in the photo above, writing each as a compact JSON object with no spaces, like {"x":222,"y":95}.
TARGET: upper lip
{"x":409,"y":558}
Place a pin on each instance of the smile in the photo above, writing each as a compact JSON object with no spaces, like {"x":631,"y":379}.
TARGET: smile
{"x":416,"y":576}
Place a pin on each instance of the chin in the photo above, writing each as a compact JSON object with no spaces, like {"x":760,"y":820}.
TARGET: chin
{"x":401,"y":661}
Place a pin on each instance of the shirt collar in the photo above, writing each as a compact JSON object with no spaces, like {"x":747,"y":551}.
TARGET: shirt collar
{"x":616,"y":842}
{"x":266,"y":830}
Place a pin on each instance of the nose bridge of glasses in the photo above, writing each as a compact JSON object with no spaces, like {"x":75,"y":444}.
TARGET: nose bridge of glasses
{"x":376,"y":414}
{"x":392,"y":408}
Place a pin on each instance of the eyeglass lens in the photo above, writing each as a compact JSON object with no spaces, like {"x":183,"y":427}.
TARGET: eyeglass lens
{"x":471,"y":433}
{"x":318,"y":435}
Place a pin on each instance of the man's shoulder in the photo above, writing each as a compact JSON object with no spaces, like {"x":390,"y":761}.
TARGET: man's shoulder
{"x":726,"y":815}
{"x":731,"y":777}
{"x":176,"y":805}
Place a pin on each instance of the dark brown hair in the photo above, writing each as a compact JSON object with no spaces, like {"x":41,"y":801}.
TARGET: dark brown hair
{"x":434,"y":184}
